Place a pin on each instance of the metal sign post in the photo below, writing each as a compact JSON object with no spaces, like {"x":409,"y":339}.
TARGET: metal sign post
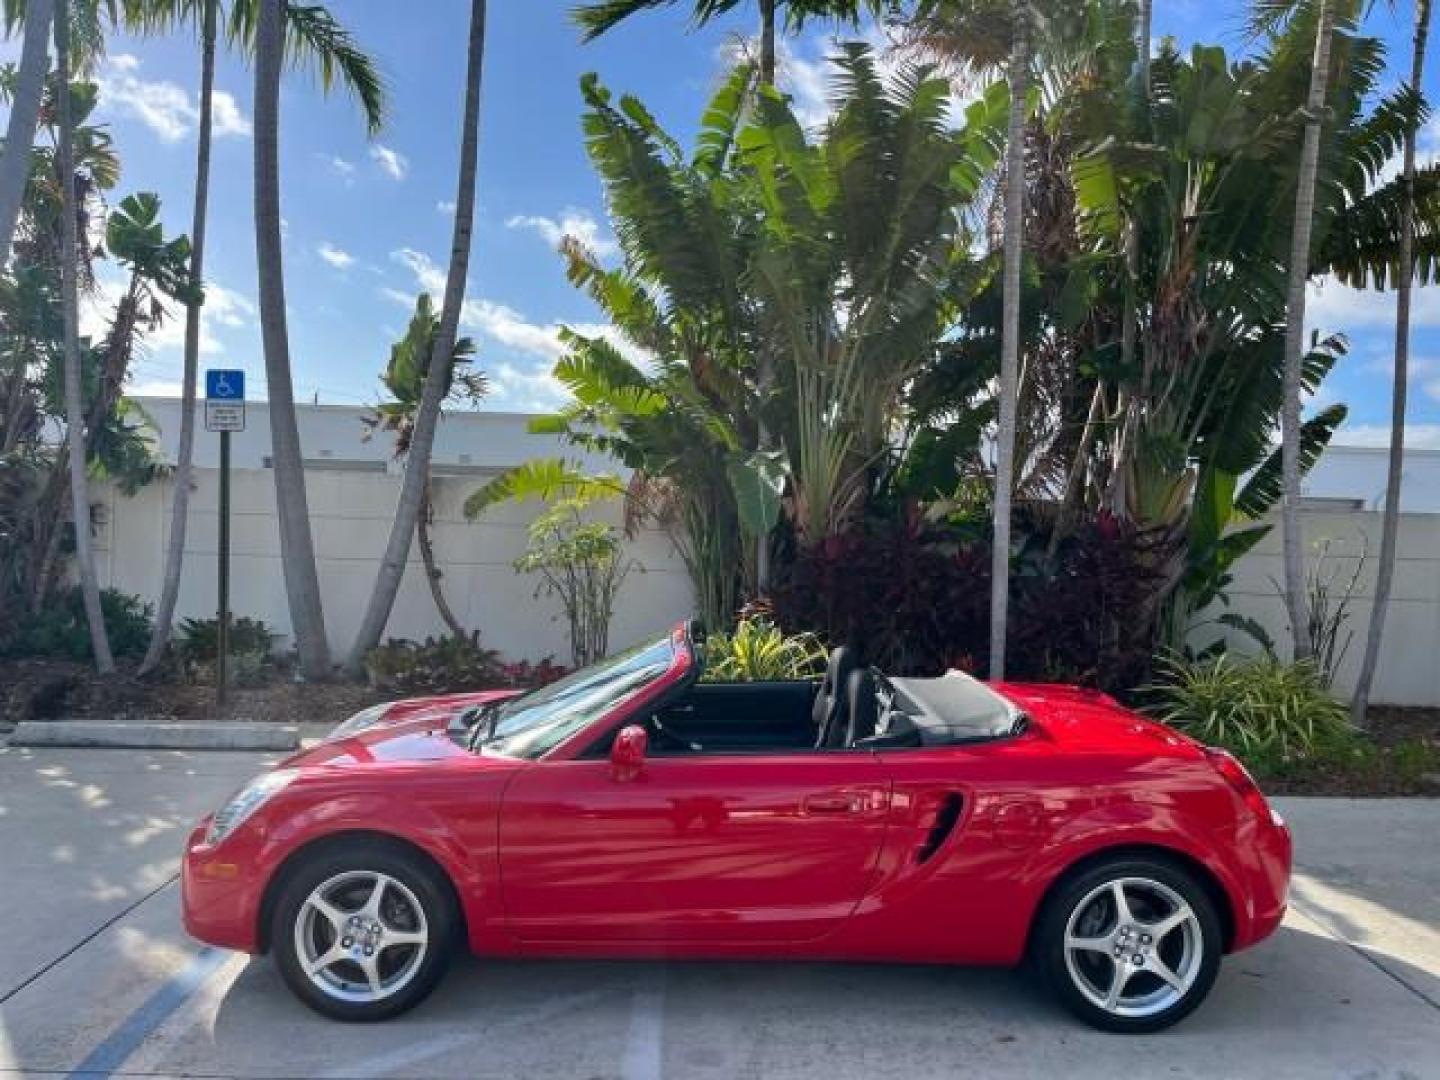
{"x":224,"y":412}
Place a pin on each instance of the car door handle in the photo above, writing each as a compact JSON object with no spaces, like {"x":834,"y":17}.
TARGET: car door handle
{"x":832,"y":804}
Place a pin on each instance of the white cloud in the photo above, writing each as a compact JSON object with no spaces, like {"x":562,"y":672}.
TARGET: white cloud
{"x":507,"y":326}
{"x":524,"y":391}
{"x":166,"y":108}
{"x":1334,"y":308}
{"x":428,"y":274}
{"x":340,"y":167}
{"x":1417,"y":436}
{"x":336,"y":257}
{"x":572,"y":222}
{"x":501,"y":323}
{"x":392,"y":162}
{"x":224,"y":308}
{"x":446,"y":206}
{"x":226,"y":117}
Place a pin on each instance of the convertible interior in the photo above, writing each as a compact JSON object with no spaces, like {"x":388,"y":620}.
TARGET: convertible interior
{"x":852,"y":707}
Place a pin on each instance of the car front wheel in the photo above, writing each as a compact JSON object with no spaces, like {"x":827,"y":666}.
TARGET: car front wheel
{"x":1130,"y":945}
{"x":363,"y":932}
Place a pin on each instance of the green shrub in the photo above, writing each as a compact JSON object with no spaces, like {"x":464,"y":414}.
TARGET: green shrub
{"x":433,"y":666}
{"x":60,"y":630}
{"x":1256,"y":707}
{"x":759,"y":651}
{"x":198,"y":640}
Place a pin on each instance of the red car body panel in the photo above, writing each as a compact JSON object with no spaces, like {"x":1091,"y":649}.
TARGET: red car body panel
{"x":832,"y":855}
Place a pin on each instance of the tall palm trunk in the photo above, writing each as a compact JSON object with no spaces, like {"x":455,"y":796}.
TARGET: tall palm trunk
{"x":767,"y":42}
{"x":1145,"y":9}
{"x":1009,"y":335}
{"x":185,"y":456}
{"x":417,"y":462}
{"x":765,"y":361}
{"x":1294,"y":540}
{"x":74,"y":397}
{"x":1385,"y":571}
{"x":297,"y":550}
{"x":24,"y":115}
{"x":432,"y":569}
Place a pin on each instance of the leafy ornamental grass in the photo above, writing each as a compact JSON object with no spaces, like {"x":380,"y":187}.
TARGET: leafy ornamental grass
{"x":758,"y":651}
{"x":1252,"y":706}
{"x":1281,"y":721}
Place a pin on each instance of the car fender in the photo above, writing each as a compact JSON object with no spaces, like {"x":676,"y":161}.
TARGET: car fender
{"x":471,"y":871}
{"x":1132,"y":822}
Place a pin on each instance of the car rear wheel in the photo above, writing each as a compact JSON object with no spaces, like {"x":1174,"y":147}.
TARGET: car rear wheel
{"x":1130,"y":945}
{"x":363,"y":932}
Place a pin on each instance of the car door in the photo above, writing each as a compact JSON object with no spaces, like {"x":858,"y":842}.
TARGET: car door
{"x":764,"y":847}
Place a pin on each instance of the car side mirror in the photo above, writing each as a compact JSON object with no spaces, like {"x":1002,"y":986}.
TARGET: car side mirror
{"x":627,"y":752}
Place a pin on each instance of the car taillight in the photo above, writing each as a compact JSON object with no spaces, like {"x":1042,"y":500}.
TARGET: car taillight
{"x":1239,"y":778}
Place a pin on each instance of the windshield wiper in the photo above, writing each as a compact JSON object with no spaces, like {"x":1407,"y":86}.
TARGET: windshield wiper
{"x":483,"y":730}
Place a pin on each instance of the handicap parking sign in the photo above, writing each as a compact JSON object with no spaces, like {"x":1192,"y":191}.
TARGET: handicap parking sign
{"x":224,"y":400}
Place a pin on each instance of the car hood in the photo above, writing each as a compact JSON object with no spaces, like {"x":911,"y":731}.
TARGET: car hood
{"x":419,"y":740}
{"x":1085,"y":720}
{"x":416,"y":730}
{"x":442,"y":706}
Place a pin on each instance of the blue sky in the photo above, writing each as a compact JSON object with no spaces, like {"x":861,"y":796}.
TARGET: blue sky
{"x":367,"y":221}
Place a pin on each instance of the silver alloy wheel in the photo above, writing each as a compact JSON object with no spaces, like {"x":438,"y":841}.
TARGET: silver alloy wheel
{"x":360,"y":936}
{"x":1133,"y":947}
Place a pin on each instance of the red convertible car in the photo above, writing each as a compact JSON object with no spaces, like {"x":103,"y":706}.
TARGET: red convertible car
{"x":630,"y":810}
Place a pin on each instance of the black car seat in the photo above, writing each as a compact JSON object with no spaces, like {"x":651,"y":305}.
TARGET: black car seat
{"x":862,"y":706}
{"x":829,"y":711}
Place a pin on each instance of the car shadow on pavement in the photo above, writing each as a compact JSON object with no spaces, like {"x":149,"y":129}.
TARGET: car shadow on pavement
{"x":1302,"y":992}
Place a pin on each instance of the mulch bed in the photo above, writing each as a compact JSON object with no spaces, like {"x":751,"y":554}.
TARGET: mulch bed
{"x":1399,"y":755}
{"x":66,"y":690}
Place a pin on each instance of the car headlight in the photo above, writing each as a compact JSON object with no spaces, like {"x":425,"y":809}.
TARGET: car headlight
{"x":363,"y":720}
{"x":245,"y":802}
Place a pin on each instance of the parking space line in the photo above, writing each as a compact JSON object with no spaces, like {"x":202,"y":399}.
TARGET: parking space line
{"x":111,"y":1054}
{"x":407,"y":1056}
{"x":644,"y":1045}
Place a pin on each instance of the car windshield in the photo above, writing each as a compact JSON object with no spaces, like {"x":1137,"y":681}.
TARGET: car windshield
{"x":529,"y":725}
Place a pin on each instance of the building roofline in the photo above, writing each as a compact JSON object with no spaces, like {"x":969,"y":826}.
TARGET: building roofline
{"x":511,"y":414}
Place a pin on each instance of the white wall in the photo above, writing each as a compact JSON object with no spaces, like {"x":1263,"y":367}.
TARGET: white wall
{"x":352,"y":493}
{"x":1409,"y":668}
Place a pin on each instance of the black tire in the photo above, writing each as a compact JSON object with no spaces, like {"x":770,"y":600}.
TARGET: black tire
{"x":417,"y":881}
{"x":1191,"y":951}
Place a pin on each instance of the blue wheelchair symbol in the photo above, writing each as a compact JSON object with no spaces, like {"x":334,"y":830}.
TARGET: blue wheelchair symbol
{"x":225,"y":385}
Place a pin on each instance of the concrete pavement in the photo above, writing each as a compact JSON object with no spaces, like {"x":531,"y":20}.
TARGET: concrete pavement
{"x":108,"y":985}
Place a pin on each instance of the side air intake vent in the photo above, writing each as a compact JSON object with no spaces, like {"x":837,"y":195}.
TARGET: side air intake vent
{"x":945,"y":818}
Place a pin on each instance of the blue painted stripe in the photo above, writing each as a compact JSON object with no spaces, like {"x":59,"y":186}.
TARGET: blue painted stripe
{"x":111,"y":1054}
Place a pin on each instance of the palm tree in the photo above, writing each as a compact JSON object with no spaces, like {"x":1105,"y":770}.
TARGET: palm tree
{"x":297,"y":549}
{"x":1299,"y":271}
{"x":405,"y":378}
{"x":1405,"y":273}
{"x":598,"y":17}
{"x":438,"y":373}
{"x":24,"y":113}
{"x":74,"y":398}
{"x":314,"y":34}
